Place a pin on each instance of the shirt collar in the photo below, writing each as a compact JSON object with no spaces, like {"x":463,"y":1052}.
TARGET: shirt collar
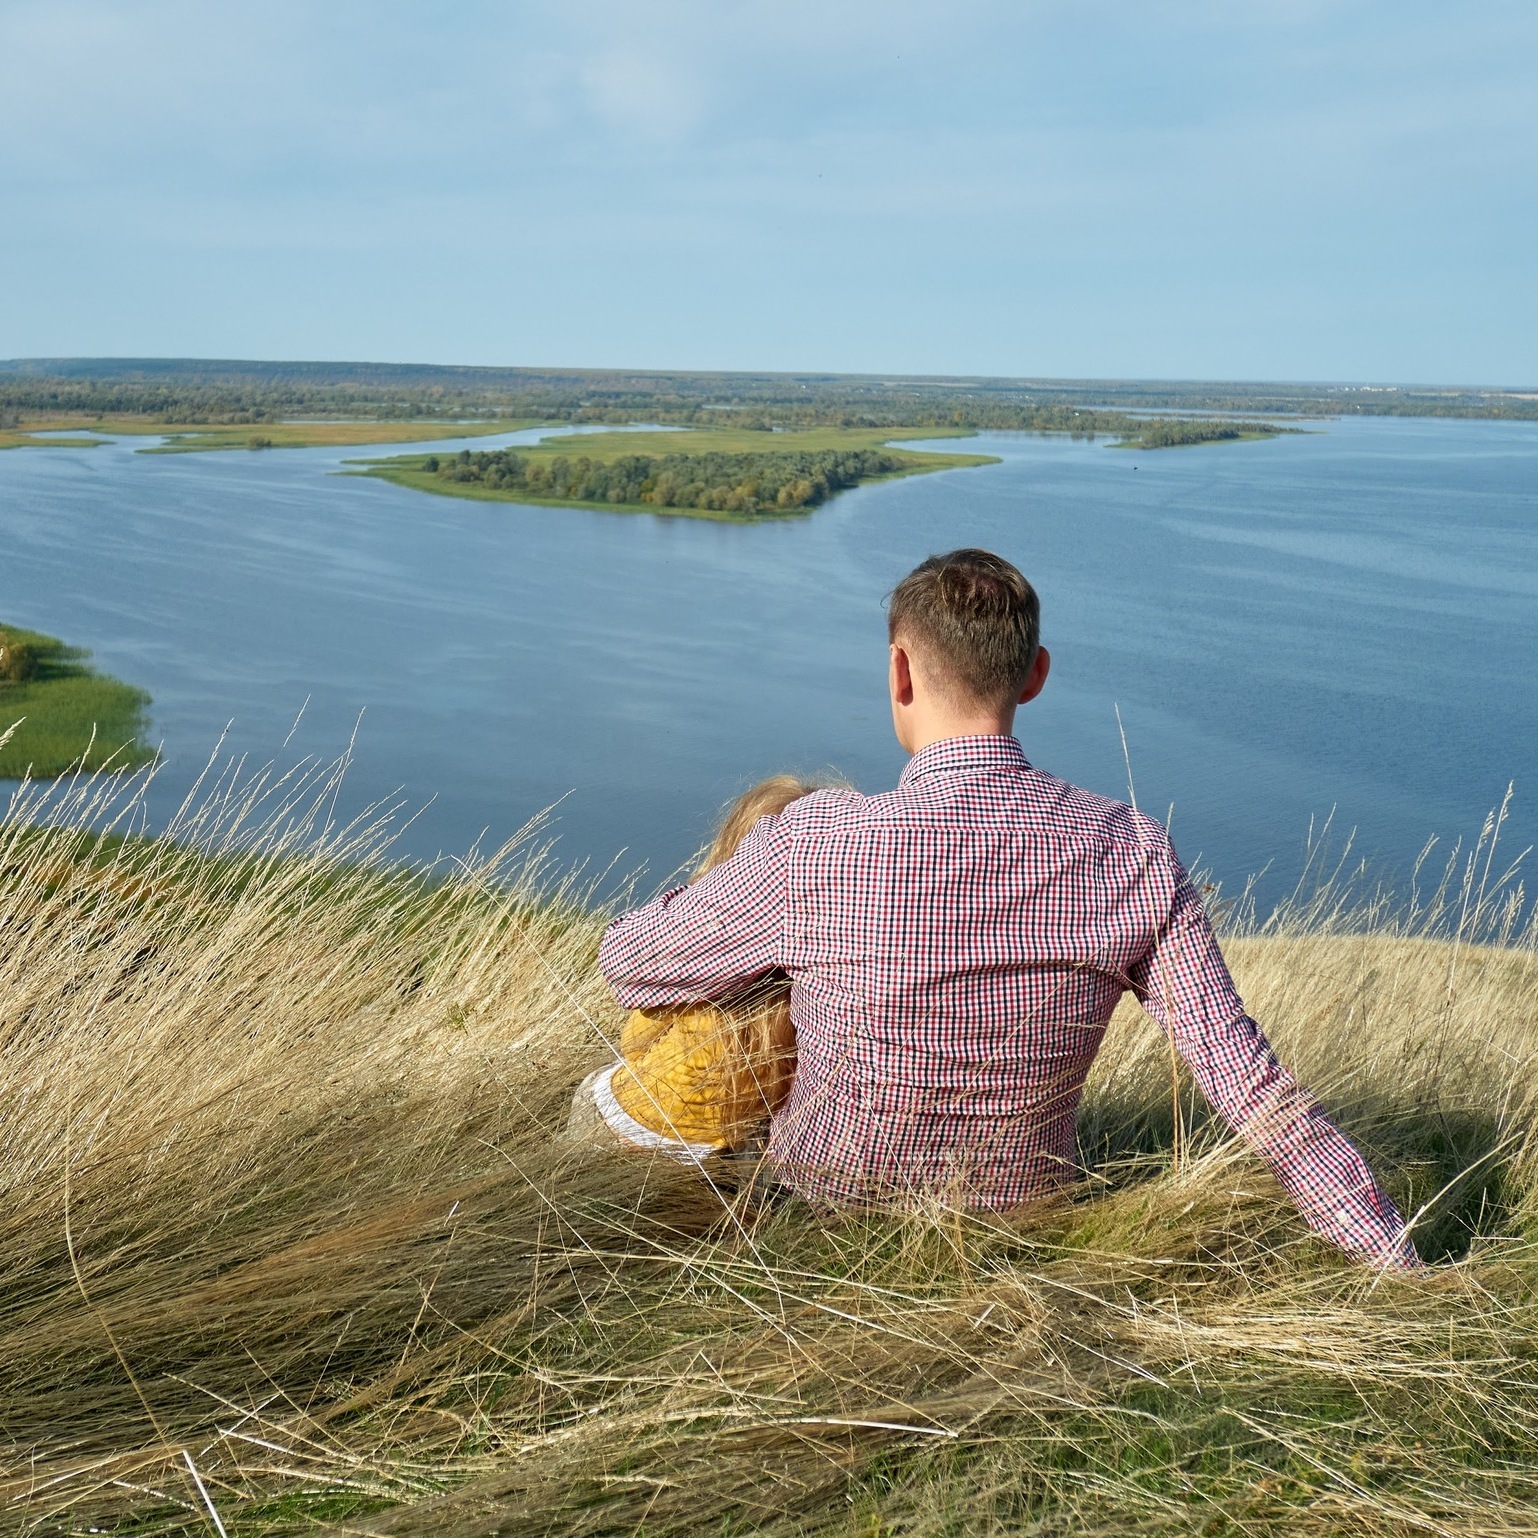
{"x":952,"y":755}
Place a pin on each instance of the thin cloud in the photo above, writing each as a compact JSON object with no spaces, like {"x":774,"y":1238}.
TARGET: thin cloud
{"x":959,"y":159}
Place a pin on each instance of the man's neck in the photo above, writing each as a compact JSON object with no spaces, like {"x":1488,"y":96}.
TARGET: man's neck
{"x":944,"y":731}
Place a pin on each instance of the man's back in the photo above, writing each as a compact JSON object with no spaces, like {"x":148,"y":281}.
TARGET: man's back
{"x":956,"y":947}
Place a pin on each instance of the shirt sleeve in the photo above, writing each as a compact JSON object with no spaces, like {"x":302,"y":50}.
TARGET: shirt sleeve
{"x":1183,"y":982}
{"x":702,"y":941}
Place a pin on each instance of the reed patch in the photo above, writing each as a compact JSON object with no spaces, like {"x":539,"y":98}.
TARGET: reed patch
{"x":58,"y":714}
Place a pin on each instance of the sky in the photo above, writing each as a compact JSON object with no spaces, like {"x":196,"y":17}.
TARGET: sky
{"x":1340,"y":190}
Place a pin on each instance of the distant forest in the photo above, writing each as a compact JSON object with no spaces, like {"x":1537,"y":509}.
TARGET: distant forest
{"x":745,"y":484}
{"x":237,"y":393}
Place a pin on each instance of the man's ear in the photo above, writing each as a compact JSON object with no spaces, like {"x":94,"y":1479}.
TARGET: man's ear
{"x":901,"y":676}
{"x":1038,"y":675}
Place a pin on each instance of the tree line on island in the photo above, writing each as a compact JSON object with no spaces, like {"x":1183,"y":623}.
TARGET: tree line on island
{"x":742,"y":484}
{"x":1170,"y":433}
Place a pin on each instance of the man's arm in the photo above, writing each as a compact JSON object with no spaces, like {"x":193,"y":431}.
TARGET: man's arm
{"x":1184,"y":984}
{"x":707,"y":939}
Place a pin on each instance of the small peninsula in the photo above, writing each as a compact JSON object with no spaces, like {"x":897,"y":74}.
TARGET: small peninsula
{"x":58,"y":714}
{"x":16,"y":438}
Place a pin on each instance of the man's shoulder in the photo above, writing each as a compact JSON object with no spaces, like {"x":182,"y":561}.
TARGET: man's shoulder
{"x":822,"y":809}
{"x":1029,"y":798}
{"x":1071,"y":805}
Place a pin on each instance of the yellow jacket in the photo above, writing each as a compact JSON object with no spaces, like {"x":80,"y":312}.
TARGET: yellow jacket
{"x":703,"y":1075}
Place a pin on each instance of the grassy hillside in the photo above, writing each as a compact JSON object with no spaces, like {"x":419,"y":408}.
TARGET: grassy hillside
{"x":68,"y":715}
{"x":284,"y":1239}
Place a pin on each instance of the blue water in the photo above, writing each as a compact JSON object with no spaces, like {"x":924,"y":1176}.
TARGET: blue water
{"x":1340,"y":620}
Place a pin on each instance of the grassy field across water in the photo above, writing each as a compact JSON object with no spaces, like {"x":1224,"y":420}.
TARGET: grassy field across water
{"x":286,"y":1242}
{"x":195,"y":438}
{"x":66,"y":715}
{"x":18,"y":438}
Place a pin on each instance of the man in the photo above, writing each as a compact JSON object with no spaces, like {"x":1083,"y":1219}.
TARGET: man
{"x":956,"y":947}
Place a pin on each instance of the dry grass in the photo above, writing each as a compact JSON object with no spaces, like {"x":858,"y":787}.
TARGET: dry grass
{"x":284,"y":1243}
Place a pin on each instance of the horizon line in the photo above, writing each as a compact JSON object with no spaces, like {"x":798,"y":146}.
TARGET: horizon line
{"x":39,"y":365}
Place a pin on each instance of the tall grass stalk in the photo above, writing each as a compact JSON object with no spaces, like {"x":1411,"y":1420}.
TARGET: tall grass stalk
{"x":284,"y":1240}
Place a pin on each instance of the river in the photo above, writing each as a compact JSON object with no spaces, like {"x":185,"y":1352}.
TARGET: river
{"x":1342,"y":620}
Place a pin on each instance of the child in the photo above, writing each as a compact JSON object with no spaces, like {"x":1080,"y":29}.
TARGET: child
{"x":699,"y":1079}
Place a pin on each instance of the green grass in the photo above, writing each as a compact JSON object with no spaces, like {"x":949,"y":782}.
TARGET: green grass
{"x":406,"y":470}
{"x":18,"y":439}
{"x":745,"y":440}
{"x":194,"y":438}
{"x":69,"y":716}
{"x":314,"y":435}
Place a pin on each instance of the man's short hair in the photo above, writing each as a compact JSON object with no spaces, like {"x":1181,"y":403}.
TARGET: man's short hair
{"x":973,"y":619}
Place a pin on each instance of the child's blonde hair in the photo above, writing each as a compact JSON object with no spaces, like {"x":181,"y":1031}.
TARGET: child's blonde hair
{"x":761,"y":800}
{"x":760,"y":1017}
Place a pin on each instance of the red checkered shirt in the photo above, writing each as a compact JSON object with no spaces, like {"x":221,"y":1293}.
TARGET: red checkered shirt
{"x":956,"y":947}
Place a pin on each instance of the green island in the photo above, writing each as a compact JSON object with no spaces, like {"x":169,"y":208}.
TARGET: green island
{"x":728,"y":474}
{"x":1170,"y":433}
{"x":58,"y":714}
